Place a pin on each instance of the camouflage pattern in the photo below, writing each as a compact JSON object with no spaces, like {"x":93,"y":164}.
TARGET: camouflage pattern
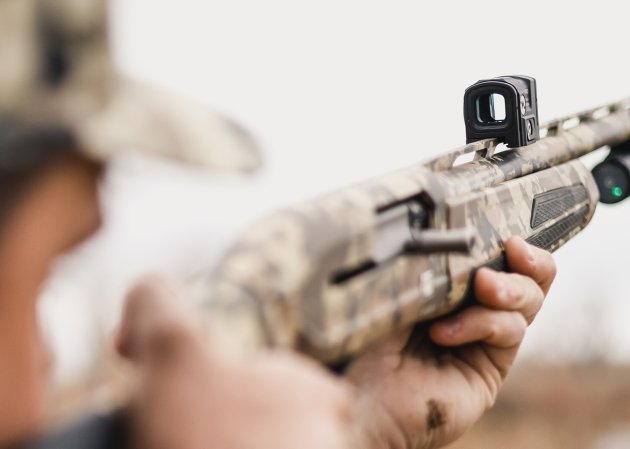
{"x":280,"y":284}
{"x":57,"y":70}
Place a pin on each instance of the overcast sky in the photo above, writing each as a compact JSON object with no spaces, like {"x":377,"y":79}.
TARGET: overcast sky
{"x":336,"y":91}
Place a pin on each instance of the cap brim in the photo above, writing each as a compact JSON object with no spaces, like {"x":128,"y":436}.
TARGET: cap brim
{"x":143,"y":118}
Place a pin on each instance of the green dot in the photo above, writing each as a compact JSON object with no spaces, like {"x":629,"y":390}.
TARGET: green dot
{"x":616,"y":191}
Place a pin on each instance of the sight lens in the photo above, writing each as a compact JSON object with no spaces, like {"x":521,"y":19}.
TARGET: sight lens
{"x":490,"y":108}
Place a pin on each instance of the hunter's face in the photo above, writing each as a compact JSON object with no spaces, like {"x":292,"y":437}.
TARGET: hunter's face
{"x":58,"y":210}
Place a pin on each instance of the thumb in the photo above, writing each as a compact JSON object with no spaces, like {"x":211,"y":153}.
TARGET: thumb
{"x":155,"y":325}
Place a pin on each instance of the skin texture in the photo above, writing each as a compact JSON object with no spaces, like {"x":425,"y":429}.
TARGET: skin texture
{"x":421,"y":388}
{"x":56,"y":211}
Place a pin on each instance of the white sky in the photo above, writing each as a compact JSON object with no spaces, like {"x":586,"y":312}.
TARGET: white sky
{"x":337,"y":91}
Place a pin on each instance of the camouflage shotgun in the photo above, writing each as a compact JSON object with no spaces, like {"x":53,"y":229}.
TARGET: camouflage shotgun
{"x":334,"y":274}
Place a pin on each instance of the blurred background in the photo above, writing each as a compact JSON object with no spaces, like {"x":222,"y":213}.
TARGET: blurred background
{"x":336,"y":91}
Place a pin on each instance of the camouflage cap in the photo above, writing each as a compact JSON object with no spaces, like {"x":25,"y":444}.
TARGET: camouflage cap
{"x":57,"y":69}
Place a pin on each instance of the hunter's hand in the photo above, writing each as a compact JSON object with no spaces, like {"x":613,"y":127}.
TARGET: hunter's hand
{"x":193,"y":397}
{"x":424,"y":389}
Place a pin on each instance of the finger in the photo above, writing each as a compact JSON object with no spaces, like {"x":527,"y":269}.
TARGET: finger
{"x":499,"y":328}
{"x":531,"y":261}
{"x":154,"y":324}
{"x":512,"y":292}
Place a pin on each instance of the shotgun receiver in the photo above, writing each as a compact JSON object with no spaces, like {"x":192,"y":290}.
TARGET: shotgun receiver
{"x":334,"y":274}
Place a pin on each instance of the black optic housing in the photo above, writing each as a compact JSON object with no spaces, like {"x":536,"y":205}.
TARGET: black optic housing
{"x":613,"y":175}
{"x":505,"y":108}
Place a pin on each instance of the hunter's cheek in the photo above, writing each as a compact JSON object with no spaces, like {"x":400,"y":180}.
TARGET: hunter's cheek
{"x":24,"y":393}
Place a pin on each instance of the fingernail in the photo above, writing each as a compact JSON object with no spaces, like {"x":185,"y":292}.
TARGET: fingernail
{"x":503,"y":292}
{"x":451,"y":327}
{"x":529,"y":252}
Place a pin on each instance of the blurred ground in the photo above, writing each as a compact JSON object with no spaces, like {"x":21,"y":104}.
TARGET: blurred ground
{"x":578,"y":406}
{"x":542,"y":406}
